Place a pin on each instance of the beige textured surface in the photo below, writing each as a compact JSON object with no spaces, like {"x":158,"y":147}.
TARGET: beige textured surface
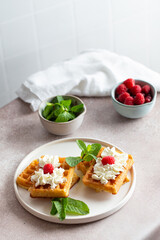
{"x":22,"y":132}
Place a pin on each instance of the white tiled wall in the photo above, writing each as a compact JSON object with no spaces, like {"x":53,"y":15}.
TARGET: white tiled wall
{"x":36,"y":33}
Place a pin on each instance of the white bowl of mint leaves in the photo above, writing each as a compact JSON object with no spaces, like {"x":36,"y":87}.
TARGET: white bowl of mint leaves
{"x":62,"y":115}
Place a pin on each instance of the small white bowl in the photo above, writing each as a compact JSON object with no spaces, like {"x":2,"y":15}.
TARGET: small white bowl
{"x":134,"y":111}
{"x":62,"y":128}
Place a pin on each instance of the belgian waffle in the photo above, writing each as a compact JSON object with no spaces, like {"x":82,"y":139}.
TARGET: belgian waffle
{"x":112,"y":186}
{"x":84,"y":166}
{"x":24,"y":179}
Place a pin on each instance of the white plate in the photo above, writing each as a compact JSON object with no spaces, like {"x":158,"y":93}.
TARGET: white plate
{"x":100,"y":204}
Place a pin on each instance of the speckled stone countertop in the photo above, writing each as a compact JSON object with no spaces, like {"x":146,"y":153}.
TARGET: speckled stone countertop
{"x":22,"y":132}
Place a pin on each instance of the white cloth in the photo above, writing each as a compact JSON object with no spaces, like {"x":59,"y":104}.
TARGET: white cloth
{"x":92,"y":73}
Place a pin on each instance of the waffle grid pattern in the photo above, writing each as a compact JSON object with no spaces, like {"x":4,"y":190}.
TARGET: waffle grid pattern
{"x":112,"y":186}
{"x":62,"y":190}
{"x":24,"y":180}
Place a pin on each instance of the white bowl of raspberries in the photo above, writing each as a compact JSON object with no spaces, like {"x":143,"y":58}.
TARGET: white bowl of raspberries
{"x":133,"y":98}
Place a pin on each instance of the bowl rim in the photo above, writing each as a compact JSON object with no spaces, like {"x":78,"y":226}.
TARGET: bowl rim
{"x":62,"y":123}
{"x":133,"y":106}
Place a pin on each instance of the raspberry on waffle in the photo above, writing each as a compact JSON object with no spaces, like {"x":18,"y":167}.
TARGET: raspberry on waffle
{"x":24,"y":179}
{"x":112,"y":186}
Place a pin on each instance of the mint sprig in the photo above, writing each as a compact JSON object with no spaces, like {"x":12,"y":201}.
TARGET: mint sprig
{"x":62,"y":110}
{"x":68,"y":205}
{"x":87,"y":154}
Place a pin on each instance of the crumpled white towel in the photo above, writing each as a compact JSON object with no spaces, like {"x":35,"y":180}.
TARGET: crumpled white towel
{"x":92,"y":73}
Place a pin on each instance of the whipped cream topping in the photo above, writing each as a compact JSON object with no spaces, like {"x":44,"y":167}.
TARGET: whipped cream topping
{"x":52,"y":179}
{"x":54,"y":160}
{"x":104,"y":173}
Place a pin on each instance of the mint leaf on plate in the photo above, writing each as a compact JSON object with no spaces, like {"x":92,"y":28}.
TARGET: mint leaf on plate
{"x":88,"y":147}
{"x":95,"y":148}
{"x":53,"y":209}
{"x":73,"y":161}
{"x":60,"y":205}
{"x":68,"y":205}
{"x":87,"y":154}
{"x":81,"y":145}
{"x":88,"y":157}
{"x":76,"y":207}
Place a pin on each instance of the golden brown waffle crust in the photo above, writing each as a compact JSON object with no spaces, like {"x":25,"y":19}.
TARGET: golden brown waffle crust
{"x":24,"y":179}
{"x":84,"y":166}
{"x":62,"y":190}
{"x":112,"y":186}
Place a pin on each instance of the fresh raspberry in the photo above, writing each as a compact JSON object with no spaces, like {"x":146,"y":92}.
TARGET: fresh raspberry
{"x":148,"y":98}
{"x":146,"y":89}
{"x":139,"y":99}
{"x":48,"y":168}
{"x":129,"y":101}
{"x":108,"y":160}
{"x":135,"y":89}
{"x":121,"y":89}
{"x":130,"y":82}
{"x":123,"y":96}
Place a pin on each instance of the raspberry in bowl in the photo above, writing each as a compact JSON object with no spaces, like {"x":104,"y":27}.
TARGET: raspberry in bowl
{"x":133,"y":98}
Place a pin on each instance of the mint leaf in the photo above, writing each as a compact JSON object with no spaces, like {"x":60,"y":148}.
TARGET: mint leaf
{"x":82,"y":154}
{"x":58,"y":110}
{"x":95,"y":148}
{"x":77,"y":108}
{"x":81,"y":145}
{"x":64,"y":202}
{"x":50,"y":116}
{"x":53,"y":209}
{"x":59,"y":99}
{"x":47,"y":110}
{"x":66,"y":103}
{"x":65,"y":117}
{"x":61,"y":204}
{"x":88,"y":147}
{"x":73,"y":161}
{"x":58,"y":206}
{"x":76,"y":207}
{"x":88,"y":157}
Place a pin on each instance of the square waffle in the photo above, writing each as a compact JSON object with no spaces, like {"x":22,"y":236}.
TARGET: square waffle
{"x":84,"y":166}
{"x":24,"y":179}
{"x":61,"y":190}
{"x":112,"y":186}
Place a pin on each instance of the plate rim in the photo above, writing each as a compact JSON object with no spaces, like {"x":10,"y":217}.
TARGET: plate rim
{"x":78,"y":219}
